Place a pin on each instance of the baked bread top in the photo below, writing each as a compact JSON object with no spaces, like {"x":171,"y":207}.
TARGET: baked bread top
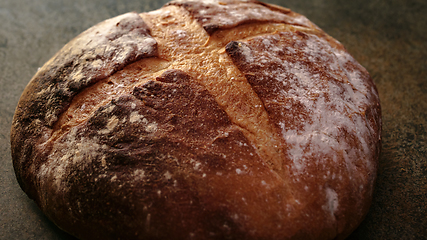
{"x":203,"y":119}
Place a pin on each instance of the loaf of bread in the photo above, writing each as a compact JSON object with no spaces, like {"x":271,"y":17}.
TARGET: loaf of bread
{"x":201,"y":120}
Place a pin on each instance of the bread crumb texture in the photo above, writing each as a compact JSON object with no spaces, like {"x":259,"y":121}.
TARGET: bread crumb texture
{"x":201,"y":120}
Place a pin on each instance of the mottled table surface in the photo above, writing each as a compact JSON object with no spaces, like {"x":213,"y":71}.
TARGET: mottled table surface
{"x":389,"y":38}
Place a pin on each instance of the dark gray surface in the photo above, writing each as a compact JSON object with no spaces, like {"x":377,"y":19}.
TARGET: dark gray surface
{"x":389,"y":38}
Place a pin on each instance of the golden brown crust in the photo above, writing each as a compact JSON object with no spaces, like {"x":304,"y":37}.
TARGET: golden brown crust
{"x":317,"y":97}
{"x":216,"y":15}
{"x":93,"y":55}
{"x":204,"y":120}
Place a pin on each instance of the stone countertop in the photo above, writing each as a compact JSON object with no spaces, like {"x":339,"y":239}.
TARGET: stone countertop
{"x":389,"y":38}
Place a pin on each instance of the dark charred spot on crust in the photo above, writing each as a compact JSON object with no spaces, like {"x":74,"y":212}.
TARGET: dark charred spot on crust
{"x":211,"y":28}
{"x":239,"y":52}
{"x":232,"y":49}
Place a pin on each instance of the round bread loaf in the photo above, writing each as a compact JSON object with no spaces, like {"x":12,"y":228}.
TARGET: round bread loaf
{"x":201,"y":120}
